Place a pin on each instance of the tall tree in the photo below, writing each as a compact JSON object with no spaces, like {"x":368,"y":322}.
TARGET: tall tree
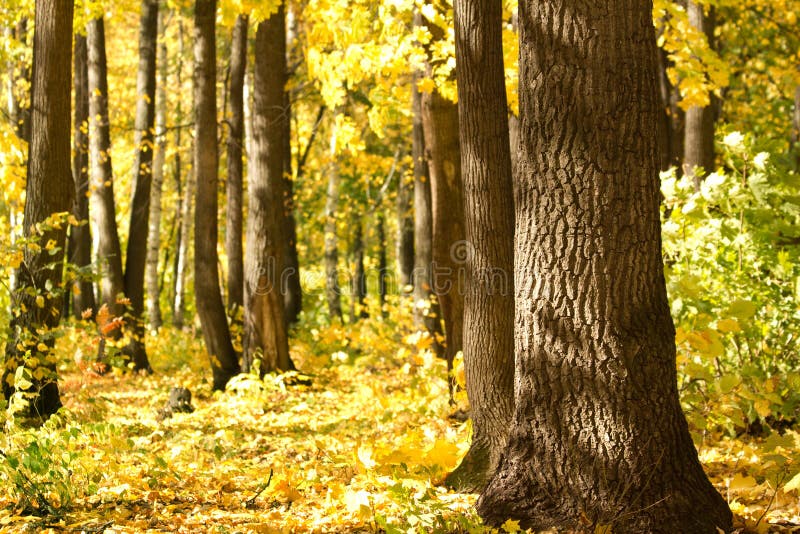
{"x":698,"y":144}
{"x":405,"y":231}
{"x":80,"y":237}
{"x":184,"y":208}
{"x":136,"y":254}
{"x":426,"y":308}
{"x":19,"y":107}
{"x":358,"y":279}
{"x":49,"y":190}
{"x":489,"y":220}
{"x":152,"y":285}
{"x":332,"y":293}
{"x":210,"y":308}
{"x":265,"y":337}
{"x":290,"y":280}
{"x":233,"y":223}
{"x":101,"y":176}
{"x":598,"y":435}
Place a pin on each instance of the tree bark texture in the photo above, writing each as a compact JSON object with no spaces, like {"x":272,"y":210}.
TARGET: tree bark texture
{"x":184,"y":208}
{"x":101,"y":176}
{"x":489,"y":221}
{"x":80,"y":237}
{"x":152,"y":285}
{"x":234,"y":213}
{"x":265,"y":337}
{"x":49,"y":190}
{"x":136,"y":254}
{"x":698,"y":146}
{"x":210,"y":308}
{"x":598,"y":436}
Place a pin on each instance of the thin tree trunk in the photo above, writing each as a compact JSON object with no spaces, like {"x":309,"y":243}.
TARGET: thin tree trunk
{"x":358,"y":281}
{"x":184,"y":208}
{"x":426,"y":308}
{"x":290,"y":277}
{"x":19,"y":108}
{"x":265,"y":337}
{"x":405,"y":232}
{"x":136,"y":255}
{"x":698,"y":143}
{"x":598,"y":439}
{"x":154,"y":228}
{"x":795,"y":141}
{"x":383,"y":272}
{"x":49,"y":190}
{"x":489,"y":221}
{"x":233,"y":224}
{"x":80,"y":237}
{"x":208,"y":297}
{"x":101,"y":176}
{"x":332,"y":292}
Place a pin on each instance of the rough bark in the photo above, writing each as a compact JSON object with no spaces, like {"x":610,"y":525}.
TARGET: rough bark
{"x":49,"y":189}
{"x":101,"y":176}
{"x":698,"y":145}
{"x":598,"y":436}
{"x":489,"y":220}
{"x":208,"y":297}
{"x":332,"y":293}
{"x":426,"y":308}
{"x":265,"y":337}
{"x":80,"y":237}
{"x":152,"y":285}
{"x":233,"y":223}
{"x":144,"y":127}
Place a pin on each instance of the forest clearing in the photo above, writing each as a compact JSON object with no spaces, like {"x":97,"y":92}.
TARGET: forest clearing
{"x":399,"y":266}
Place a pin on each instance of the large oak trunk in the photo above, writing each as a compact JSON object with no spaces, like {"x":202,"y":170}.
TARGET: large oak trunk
{"x":265,"y":338}
{"x":598,"y":436}
{"x":49,"y":190}
{"x":210,"y":308}
{"x":489,"y":221}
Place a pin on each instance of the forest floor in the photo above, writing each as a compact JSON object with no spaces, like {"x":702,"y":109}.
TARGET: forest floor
{"x":360,"y":449}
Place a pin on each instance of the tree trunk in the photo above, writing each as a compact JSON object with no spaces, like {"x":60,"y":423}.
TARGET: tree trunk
{"x":450,"y":251}
{"x":698,"y":143}
{"x":290,"y":278}
{"x":795,"y":141}
{"x":19,"y":112}
{"x":405,"y":232}
{"x":383,"y":271}
{"x":49,"y":190}
{"x":426,"y":309}
{"x":80,"y":237}
{"x":184,"y":208}
{"x":233,"y":224}
{"x":332,"y":293}
{"x":489,"y":221}
{"x":136,"y":254}
{"x":154,"y":227}
{"x":210,"y":308}
{"x":598,"y":436}
{"x":358,"y":280}
{"x":101,"y":176}
{"x":265,"y":338}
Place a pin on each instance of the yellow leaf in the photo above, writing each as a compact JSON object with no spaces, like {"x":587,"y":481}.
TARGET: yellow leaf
{"x":39,"y":301}
{"x":742,"y":482}
{"x":426,"y":85}
{"x":510,"y":526}
{"x":793,"y":484}
{"x":763,"y":408}
{"x":728,"y":326}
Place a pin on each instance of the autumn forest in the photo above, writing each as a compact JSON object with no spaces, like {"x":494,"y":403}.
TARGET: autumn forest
{"x":398,"y":266}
